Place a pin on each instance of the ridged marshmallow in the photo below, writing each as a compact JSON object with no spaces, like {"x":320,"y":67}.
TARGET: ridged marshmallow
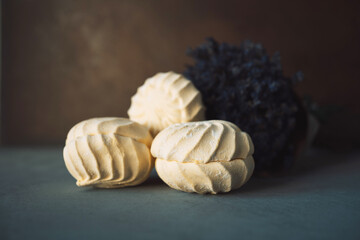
{"x":202,"y":142}
{"x":203,"y":157}
{"x":213,"y":177}
{"x":165,"y":99}
{"x":108,"y":152}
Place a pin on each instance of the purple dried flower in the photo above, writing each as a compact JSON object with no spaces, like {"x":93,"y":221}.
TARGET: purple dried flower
{"x":242,"y":84}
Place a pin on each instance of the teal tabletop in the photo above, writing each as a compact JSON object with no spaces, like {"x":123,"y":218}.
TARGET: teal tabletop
{"x":319,"y":199}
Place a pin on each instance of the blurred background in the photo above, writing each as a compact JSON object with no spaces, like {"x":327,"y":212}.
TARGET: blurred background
{"x":69,"y":60}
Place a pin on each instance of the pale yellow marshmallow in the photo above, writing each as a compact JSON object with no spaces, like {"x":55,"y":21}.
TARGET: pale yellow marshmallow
{"x":108,"y":152}
{"x":203,"y":157}
{"x":165,"y":99}
{"x":203,"y":178}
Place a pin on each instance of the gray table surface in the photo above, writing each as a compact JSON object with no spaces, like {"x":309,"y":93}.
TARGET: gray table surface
{"x":39,"y":200}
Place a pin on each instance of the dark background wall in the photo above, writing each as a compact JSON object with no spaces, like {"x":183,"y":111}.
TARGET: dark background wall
{"x":68,"y":60}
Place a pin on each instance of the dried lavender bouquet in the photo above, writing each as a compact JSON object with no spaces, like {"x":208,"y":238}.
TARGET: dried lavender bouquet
{"x":242,"y":84}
